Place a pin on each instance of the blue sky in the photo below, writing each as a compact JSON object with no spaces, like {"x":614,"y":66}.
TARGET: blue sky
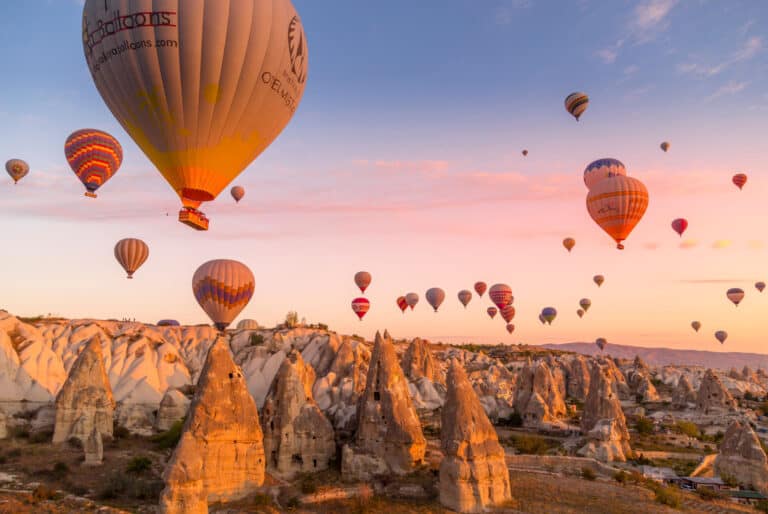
{"x":404,"y":158}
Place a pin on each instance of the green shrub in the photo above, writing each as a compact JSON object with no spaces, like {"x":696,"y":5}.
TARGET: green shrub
{"x":77,"y":490}
{"x":13,"y":453}
{"x":291,"y":319}
{"x":120,"y":432}
{"x":169,"y":438}
{"x":60,"y":470}
{"x":19,"y":432}
{"x":256,"y":340}
{"x":621,"y":477}
{"x":514,"y":420}
{"x":687,"y":428}
{"x":587,"y":473}
{"x":707,"y":494}
{"x":45,"y":436}
{"x":729,"y":480}
{"x":139,"y":465}
{"x":642,"y":460}
{"x":531,"y":444}
{"x":119,"y":485}
{"x":668,"y":495}
{"x":644,"y":426}
{"x":762,"y":506}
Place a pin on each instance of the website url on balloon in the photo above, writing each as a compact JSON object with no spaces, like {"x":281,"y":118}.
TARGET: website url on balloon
{"x":105,"y":56}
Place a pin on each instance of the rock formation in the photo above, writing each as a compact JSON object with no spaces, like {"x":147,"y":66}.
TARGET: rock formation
{"x":85,"y":400}
{"x":577,"y":383}
{"x":388,"y":436}
{"x":538,"y":398}
{"x":3,"y":424}
{"x":742,"y":457}
{"x":639,"y":380}
{"x":473,"y":472}
{"x":419,"y":363}
{"x":684,"y":393}
{"x":93,"y":448}
{"x":712,"y":395}
{"x":173,"y":408}
{"x":220,"y":456}
{"x":603,"y":421}
{"x":297,"y":435}
{"x":618,"y":380}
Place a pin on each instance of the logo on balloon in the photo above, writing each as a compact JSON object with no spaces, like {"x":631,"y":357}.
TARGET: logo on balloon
{"x":297,"y":47}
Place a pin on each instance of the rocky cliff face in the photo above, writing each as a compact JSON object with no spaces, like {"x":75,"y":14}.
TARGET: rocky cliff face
{"x":538,"y":398}
{"x":743,"y":458}
{"x":220,"y":456}
{"x":297,"y":435}
{"x":712,"y":395}
{"x":473,"y":472}
{"x":684,"y":393}
{"x":85,"y":402}
{"x":388,"y":436}
{"x":603,"y":421}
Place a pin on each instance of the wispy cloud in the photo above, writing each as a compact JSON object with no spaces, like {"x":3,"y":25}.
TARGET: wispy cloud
{"x":721,"y":244}
{"x":712,"y":280}
{"x":688,"y":244}
{"x":608,"y":55}
{"x":731,"y":88}
{"x":505,"y":15}
{"x":648,"y":19}
{"x":750,"y":49}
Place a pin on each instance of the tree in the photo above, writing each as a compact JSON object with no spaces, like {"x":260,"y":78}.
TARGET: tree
{"x":644,"y":426}
{"x":291,"y":319}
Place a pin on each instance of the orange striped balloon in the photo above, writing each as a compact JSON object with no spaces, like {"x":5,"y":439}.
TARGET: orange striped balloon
{"x":94,"y":156}
{"x":739,"y":180}
{"x":223,"y":288}
{"x":507,"y":313}
{"x":617,"y":205}
{"x":131,"y":254}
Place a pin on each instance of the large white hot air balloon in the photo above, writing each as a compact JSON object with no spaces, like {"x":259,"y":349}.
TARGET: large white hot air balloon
{"x":202,"y":86}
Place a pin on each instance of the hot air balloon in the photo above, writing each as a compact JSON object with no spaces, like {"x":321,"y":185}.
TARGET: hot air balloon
{"x":679,"y":225}
{"x":237,"y":192}
{"x":617,"y":204}
{"x":94,"y":156}
{"x":464,"y":297}
{"x":168,"y":323}
{"x":362,"y":280}
{"x":721,"y":335}
{"x":739,"y":179}
{"x":223,"y":288}
{"x":202,"y":87}
{"x":549,"y":314}
{"x":576,"y":104}
{"x":480,"y":288}
{"x":402,"y":303}
{"x":760,"y":286}
{"x":696,"y":325}
{"x":435,"y":297}
{"x":360,"y":306}
{"x":507,"y":313}
{"x":525,"y":153}
{"x":501,"y":295}
{"x":665,"y":146}
{"x":492,"y":311}
{"x":585,"y":304}
{"x":17,"y":169}
{"x":541,"y":318}
{"x":602,"y":169}
{"x":598,"y":279}
{"x":248,"y":324}
{"x":735,"y":295}
{"x":131,"y":254}
{"x":580,"y":313}
{"x":510,"y":328}
{"x":412,"y":299}
{"x":569,"y":243}
{"x":601,"y":342}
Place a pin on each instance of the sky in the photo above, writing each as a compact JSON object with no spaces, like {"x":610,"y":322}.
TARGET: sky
{"x":404,"y":160}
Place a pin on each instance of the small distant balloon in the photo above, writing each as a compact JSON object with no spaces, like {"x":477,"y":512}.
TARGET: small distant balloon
{"x":541,"y":318}
{"x":360,"y":306}
{"x":735,"y":295}
{"x":362,"y":280}
{"x":679,"y":225}
{"x":510,"y":327}
{"x":525,"y":153}
{"x":168,"y":323}
{"x":601,"y":169}
{"x":569,"y":243}
{"x":480,"y":288}
{"x":464,"y":297}
{"x":435,"y":297}
{"x":585,"y":304}
{"x":131,"y":254}
{"x":739,"y":180}
{"x":492,"y":311}
{"x":721,"y":335}
{"x":665,"y":146}
{"x":501,"y":295}
{"x":598,"y":279}
{"x":237,"y":192}
{"x":601,"y":342}
{"x":507,"y":313}
{"x":576,"y":103}
{"x":17,"y":169}
{"x":760,"y":286}
{"x":580,"y":313}
{"x":412,"y":299}
{"x":402,"y":303}
{"x":549,"y":314}
{"x":696,"y":325}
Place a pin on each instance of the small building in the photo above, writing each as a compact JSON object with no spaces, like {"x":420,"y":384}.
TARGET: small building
{"x":695,"y":483}
{"x":746,"y":497}
{"x":662,"y":475}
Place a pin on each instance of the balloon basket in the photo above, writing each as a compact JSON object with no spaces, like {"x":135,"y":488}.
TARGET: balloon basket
{"x":193,"y":218}
{"x":90,"y":195}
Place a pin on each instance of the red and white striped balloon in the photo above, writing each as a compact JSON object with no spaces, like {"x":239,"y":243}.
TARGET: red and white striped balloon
{"x":508,"y":313}
{"x":501,"y":295}
{"x":360,"y":306}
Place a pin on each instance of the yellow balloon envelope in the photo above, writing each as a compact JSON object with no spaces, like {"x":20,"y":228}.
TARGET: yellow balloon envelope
{"x":617,"y":204}
{"x":202,"y":87}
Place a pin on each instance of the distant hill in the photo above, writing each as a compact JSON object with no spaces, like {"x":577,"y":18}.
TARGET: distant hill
{"x":665,"y":356}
